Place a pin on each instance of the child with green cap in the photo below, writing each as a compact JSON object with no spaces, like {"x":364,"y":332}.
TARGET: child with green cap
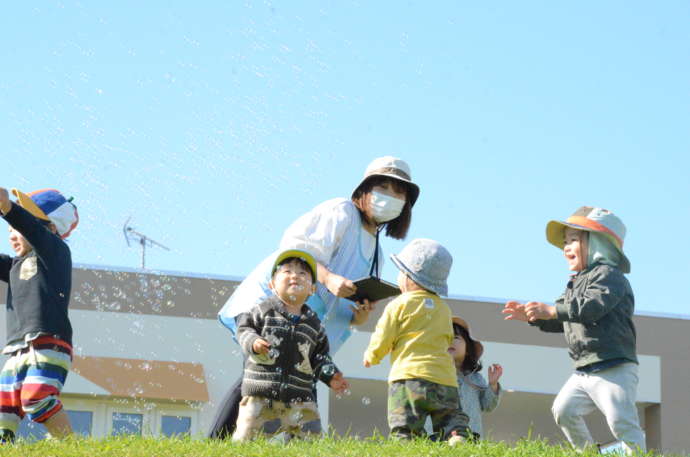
{"x":286,"y":351}
{"x":595,"y":314}
{"x":416,"y":329}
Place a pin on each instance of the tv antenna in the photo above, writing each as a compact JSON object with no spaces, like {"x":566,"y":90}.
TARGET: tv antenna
{"x":140,"y":238}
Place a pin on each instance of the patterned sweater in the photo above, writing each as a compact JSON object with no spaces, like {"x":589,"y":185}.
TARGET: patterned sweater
{"x":299,"y":353}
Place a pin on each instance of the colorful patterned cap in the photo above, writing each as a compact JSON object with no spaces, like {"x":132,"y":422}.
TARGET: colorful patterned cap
{"x":50,"y":205}
{"x":591,"y":219}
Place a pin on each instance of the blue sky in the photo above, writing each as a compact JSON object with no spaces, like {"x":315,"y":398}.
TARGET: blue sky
{"x":214,"y":125}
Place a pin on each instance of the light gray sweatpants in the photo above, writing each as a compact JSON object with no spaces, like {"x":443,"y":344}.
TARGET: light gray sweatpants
{"x":613,"y":392}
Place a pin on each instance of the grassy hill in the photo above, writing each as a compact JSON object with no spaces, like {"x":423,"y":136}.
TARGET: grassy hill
{"x":376,"y":447}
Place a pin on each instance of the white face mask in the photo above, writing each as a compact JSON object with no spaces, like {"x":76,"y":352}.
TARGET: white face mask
{"x":385,"y":208}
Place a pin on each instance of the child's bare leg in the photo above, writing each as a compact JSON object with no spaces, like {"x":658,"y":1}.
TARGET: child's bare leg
{"x":58,"y":424}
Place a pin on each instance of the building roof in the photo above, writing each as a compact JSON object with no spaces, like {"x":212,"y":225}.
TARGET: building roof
{"x":150,"y":379}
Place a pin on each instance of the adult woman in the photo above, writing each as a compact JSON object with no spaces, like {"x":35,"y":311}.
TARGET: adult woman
{"x":343,"y":236}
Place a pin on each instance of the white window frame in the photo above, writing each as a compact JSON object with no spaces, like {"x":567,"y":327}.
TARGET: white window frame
{"x":95,"y":407}
{"x":173,"y":410}
{"x":146,"y":422}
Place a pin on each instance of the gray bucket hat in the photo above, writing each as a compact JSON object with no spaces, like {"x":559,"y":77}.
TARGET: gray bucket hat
{"x":427,"y":263}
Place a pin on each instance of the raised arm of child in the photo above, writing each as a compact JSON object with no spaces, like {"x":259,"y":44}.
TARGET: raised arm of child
{"x":488,"y":398}
{"x":381,"y":342}
{"x":5,"y":260}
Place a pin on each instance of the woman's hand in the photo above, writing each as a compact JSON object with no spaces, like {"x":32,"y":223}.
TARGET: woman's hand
{"x":338,"y":285}
{"x":361,"y":311}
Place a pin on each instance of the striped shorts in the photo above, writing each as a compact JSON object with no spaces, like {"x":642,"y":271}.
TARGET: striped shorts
{"x":31,"y":381}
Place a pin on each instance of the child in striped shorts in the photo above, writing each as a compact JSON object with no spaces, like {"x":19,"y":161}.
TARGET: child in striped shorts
{"x":39,"y":333}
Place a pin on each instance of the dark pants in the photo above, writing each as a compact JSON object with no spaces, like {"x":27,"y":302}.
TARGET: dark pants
{"x":223,"y":424}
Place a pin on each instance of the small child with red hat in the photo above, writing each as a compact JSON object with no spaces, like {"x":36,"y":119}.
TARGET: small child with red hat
{"x":595,"y":313}
{"x":39,"y":333}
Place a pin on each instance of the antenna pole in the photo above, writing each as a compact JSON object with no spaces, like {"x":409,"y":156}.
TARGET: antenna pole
{"x":142,"y":239}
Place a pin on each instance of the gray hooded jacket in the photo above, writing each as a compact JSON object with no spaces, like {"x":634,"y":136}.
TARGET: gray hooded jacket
{"x":595,"y":314}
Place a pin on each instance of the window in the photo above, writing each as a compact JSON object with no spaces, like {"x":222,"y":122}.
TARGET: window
{"x":127,"y":423}
{"x":31,"y":431}
{"x":81,"y":422}
{"x":176,"y":425}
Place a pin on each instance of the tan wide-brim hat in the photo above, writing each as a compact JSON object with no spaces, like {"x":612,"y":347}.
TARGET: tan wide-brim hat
{"x":591,"y":219}
{"x":478,"y":347}
{"x":391,"y":167}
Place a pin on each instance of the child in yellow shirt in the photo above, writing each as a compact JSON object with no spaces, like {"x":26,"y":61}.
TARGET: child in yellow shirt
{"x":416,"y":329}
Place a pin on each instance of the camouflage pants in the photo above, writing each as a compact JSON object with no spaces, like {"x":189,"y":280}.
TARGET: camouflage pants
{"x":256,"y":412}
{"x":411,"y":401}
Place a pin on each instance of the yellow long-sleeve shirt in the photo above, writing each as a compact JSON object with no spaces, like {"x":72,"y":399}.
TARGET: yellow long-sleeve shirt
{"x":416,"y":329}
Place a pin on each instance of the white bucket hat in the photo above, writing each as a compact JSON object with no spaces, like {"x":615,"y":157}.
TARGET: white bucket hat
{"x":427,"y":263}
{"x":391,"y":167}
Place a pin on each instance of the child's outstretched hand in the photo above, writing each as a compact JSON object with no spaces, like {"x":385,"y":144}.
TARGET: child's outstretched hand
{"x":515,"y":310}
{"x":539,"y":311}
{"x":339,"y":383}
{"x":5,"y":203}
{"x":495,"y":372}
{"x":261,"y":346}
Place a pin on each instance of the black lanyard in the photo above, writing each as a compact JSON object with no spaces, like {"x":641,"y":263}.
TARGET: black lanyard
{"x":375,"y":262}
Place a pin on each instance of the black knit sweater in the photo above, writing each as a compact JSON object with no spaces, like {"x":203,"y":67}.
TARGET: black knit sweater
{"x":299,"y":353}
{"x":40,"y":282}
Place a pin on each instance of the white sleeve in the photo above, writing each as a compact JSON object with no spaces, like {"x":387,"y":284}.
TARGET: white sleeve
{"x":321,"y":230}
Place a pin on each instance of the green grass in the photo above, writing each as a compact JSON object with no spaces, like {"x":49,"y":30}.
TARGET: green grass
{"x":327,"y":447}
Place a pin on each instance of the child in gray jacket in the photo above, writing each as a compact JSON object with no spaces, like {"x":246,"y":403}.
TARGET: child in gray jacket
{"x":595,"y":314}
